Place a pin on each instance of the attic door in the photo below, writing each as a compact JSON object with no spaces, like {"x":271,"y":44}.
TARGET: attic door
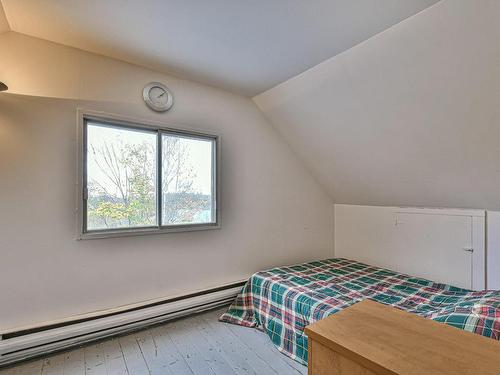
{"x":437,"y":246}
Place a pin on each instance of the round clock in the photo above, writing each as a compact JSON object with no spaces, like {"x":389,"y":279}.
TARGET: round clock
{"x":158,"y":97}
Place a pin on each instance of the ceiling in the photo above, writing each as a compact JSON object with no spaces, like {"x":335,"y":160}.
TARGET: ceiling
{"x":242,"y":46}
{"x":410,"y":117}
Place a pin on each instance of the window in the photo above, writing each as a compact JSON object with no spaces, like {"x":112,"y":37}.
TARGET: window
{"x":145,"y":179}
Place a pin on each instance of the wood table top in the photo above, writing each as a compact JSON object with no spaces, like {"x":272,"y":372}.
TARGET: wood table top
{"x":390,"y":341}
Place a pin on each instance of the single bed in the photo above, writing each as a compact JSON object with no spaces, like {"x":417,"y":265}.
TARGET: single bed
{"x":282,"y":301}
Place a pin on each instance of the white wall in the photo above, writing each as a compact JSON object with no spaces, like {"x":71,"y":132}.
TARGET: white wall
{"x":408,"y":117}
{"x":493,"y":250}
{"x":273,"y":211}
{"x":424,"y":242}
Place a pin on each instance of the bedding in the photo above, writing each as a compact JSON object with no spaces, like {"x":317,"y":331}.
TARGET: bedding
{"x":282,"y":301}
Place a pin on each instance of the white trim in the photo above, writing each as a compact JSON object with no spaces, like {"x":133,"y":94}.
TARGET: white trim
{"x":85,"y":114}
{"x":479,"y":270}
{"x":114,"y":310}
{"x":442,"y":211}
{"x":94,"y":235}
{"x":34,"y":344}
{"x":425,"y":210}
{"x":493,"y":250}
{"x":30,"y":353}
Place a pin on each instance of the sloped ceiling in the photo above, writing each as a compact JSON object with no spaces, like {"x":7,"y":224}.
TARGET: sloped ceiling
{"x":242,"y":46}
{"x":409,"y":117}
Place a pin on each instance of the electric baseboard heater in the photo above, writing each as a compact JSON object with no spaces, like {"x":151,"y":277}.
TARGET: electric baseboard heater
{"x":26,"y":343}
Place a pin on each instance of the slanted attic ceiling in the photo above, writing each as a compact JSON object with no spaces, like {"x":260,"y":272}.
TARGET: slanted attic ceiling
{"x":241,"y":46}
{"x":409,"y":117}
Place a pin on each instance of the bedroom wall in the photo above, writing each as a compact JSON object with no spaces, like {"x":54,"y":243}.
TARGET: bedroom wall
{"x":493,"y":249}
{"x":273,"y":211}
{"x":408,"y":117}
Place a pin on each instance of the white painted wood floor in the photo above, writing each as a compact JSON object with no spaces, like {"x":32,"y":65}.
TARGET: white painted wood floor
{"x":197,"y":345}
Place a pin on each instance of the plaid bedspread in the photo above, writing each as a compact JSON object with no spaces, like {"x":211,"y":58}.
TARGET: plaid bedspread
{"x":282,"y":301}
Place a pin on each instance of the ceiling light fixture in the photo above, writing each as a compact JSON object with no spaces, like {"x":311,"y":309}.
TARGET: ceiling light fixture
{"x":3,"y":86}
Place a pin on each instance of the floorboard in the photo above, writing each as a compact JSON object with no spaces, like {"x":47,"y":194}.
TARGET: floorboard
{"x":157,"y":364}
{"x":132,"y":353}
{"x":113,"y":357}
{"x":54,"y":365}
{"x":74,"y":362}
{"x":231,"y":350}
{"x":197,"y":345}
{"x":176,"y":363}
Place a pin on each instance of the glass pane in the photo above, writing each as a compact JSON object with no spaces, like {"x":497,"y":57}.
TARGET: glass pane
{"x":187,"y":180}
{"x":121,"y":177}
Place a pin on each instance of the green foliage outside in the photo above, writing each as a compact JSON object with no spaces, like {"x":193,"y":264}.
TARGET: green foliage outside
{"x":124,"y":192}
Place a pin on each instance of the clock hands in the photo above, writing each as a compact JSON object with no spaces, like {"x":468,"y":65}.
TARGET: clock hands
{"x":157,"y":96}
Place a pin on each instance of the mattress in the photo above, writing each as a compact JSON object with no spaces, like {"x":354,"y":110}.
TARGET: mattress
{"x":282,"y":301}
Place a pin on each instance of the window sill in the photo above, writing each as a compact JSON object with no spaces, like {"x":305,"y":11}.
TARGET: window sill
{"x":145,"y":231}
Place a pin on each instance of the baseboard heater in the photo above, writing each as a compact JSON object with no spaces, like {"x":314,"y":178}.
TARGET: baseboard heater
{"x":41,"y":340}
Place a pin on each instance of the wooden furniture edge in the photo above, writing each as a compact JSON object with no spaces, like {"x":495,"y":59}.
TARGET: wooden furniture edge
{"x":370,"y":364}
{"x":347,"y":353}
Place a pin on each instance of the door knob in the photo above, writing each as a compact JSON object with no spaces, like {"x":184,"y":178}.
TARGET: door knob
{"x":468,"y":249}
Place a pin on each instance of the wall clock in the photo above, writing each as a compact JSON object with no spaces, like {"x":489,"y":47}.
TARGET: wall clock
{"x":157,"y":96}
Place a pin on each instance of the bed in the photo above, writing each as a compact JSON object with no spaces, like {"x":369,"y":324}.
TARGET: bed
{"x":283,"y":301}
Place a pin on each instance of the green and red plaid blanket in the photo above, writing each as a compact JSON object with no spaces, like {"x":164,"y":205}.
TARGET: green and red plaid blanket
{"x":282,"y":301}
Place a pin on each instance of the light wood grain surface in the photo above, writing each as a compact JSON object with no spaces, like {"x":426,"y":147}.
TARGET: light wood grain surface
{"x":386,"y":340}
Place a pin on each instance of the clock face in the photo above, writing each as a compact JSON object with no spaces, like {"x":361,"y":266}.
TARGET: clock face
{"x":157,"y":97}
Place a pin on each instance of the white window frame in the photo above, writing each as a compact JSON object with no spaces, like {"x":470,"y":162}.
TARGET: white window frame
{"x":83,"y":116}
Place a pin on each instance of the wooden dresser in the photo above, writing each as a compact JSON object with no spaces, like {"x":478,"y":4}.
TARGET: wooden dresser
{"x":370,"y":338}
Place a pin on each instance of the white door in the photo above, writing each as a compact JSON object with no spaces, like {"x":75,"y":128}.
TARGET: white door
{"x":436,"y":247}
{"x":493,"y":250}
{"x":431,"y":243}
